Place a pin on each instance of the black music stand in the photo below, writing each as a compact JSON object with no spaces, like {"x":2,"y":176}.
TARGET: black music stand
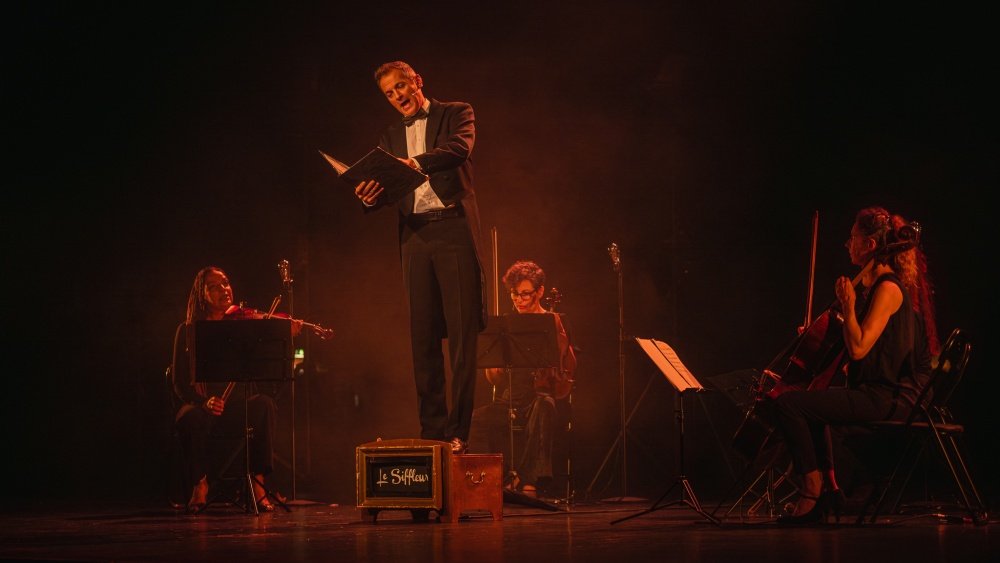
{"x":684,"y":381}
{"x":244,"y":351}
{"x":519,"y":341}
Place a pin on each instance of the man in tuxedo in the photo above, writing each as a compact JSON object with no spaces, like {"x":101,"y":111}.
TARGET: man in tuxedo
{"x":439,"y":241}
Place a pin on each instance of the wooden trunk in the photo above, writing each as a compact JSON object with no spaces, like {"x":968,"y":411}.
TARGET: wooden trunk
{"x":474,"y":483}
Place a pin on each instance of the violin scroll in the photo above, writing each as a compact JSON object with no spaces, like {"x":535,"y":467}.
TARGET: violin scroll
{"x":553,"y":299}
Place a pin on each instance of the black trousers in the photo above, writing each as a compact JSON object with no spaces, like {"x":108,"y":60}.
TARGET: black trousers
{"x":491,"y":434}
{"x":196,"y":427}
{"x":804,"y":419}
{"x":443,"y":279}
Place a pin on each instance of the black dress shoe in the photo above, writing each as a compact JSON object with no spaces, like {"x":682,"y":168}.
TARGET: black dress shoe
{"x":458,"y":446}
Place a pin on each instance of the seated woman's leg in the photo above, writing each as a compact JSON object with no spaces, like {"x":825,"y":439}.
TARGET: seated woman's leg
{"x":194,"y":424}
{"x":489,"y":431}
{"x":803,"y":418}
{"x":536,"y":459}
{"x":262,"y":414}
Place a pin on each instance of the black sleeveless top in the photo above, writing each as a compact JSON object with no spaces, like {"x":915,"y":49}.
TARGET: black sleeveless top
{"x":898,"y":364}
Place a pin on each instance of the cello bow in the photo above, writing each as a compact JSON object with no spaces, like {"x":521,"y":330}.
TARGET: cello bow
{"x":812,"y":271}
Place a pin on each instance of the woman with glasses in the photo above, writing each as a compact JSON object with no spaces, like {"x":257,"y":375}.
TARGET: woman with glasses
{"x":529,"y":395}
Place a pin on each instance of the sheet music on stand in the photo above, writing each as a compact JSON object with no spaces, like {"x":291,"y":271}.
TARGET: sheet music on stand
{"x":683,"y":380}
{"x":670,"y":364}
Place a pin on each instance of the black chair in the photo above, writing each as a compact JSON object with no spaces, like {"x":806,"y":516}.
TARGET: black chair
{"x":930,"y":426}
{"x":177,"y":488}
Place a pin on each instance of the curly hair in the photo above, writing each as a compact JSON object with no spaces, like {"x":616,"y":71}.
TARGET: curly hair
{"x":910,"y":265}
{"x":524,"y":270}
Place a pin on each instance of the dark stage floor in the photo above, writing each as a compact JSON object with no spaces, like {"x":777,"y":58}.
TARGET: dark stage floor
{"x":579,"y":532}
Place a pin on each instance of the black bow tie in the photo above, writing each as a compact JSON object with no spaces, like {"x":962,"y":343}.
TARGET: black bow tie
{"x":409,"y":119}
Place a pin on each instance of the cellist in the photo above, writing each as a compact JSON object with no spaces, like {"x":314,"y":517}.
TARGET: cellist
{"x":889,"y":337}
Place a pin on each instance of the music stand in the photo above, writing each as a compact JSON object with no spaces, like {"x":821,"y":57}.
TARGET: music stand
{"x":684,"y":381}
{"x":519,"y":341}
{"x":244,"y":351}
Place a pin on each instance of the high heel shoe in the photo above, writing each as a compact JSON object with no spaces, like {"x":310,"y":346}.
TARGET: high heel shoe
{"x":199,"y":497}
{"x":815,"y":515}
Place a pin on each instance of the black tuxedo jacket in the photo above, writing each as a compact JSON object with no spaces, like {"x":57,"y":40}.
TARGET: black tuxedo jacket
{"x":451,"y":134}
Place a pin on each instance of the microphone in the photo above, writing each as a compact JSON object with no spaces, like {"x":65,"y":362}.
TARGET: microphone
{"x":286,"y":275}
{"x":616,"y":262}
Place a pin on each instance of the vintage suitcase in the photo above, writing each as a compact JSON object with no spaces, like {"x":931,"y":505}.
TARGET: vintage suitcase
{"x":474,"y":483}
{"x":402,"y":474}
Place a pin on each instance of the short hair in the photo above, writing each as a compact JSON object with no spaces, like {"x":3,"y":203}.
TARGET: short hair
{"x":524,"y":270}
{"x":401,"y":66}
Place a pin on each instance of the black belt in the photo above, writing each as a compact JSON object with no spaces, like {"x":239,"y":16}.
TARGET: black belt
{"x":436,"y":215}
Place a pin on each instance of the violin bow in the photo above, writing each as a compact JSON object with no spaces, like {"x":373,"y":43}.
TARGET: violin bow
{"x":812,"y":271}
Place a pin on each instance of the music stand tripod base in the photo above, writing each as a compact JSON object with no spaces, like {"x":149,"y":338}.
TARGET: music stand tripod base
{"x":683,"y":381}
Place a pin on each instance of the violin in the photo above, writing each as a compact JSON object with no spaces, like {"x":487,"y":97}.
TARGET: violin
{"x":240,"y":312}
{"x":814,"y":359}
{"x":817,"y":354}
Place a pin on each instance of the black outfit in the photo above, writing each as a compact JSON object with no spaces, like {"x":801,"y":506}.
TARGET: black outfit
{"x":530,"y":396}
{"x":881,"y":386}
{"x":442,"y":271}
{"x":196,"y":425}
{"x":534,"y":411}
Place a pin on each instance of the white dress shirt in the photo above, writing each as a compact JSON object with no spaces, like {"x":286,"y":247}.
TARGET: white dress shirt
{"x":424,"y":198}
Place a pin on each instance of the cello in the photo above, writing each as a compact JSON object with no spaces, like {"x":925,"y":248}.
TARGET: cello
{"x":557,"y":382}
{"x":815,"y":358}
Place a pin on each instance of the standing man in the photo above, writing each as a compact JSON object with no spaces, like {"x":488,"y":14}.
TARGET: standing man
{"x":439,"y":240}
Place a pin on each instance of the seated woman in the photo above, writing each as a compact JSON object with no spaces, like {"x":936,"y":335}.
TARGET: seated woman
{"x":889,"y":337}
{"x":529,"y":394}
{"x":204,"y":405}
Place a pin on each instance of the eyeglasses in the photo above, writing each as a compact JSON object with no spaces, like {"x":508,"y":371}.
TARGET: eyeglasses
{"x":514,"y":294}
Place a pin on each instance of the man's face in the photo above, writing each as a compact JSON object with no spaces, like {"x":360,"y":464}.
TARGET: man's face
{"x":404,"y":94}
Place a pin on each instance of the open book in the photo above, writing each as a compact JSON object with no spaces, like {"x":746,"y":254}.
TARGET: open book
{"x":396,"y":178}
{"x":670,"y":364}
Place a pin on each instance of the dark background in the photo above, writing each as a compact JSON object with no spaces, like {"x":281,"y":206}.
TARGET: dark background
{"x":145,"y":142}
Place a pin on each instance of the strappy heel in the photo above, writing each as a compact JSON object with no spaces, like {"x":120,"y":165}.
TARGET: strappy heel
{"x":815,"y":515}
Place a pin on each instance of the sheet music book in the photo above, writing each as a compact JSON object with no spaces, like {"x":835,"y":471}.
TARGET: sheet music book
{"x":396,"y":178}
{"x":670,"y":364}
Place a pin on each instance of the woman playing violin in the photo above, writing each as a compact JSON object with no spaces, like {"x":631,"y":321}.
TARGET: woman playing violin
{"x":205,"y":407}
{"x":889,"y":338}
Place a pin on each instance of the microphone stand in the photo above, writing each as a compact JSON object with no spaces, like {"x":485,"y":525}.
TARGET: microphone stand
{"x":286,"y":285}
{"x":621,"y":366}
{"x":623,"y":422}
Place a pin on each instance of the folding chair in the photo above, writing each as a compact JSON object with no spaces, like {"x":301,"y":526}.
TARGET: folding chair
{"x":931,"y":425}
